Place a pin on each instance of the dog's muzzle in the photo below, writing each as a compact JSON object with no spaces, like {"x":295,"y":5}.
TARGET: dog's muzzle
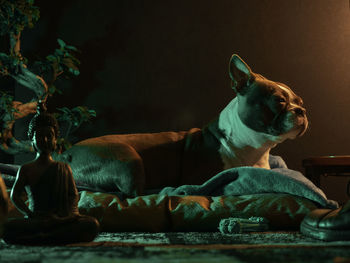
{"x":301,"y":120}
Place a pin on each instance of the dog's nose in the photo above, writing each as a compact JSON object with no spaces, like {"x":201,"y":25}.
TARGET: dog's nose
{"x":299,"y":111}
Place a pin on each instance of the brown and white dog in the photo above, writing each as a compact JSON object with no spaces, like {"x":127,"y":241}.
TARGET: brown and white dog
{"x":263,"y":114}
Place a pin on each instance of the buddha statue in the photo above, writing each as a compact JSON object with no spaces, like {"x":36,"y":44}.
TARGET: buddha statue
{"x":52,"y":216}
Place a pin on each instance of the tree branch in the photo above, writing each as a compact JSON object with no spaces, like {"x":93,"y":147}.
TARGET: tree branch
{"x":9,"y":143}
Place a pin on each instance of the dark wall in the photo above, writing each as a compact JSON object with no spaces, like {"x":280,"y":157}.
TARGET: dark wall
{"x":158,"y":65}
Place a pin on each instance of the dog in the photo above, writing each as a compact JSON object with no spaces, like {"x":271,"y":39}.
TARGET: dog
{"x":263,"y":114}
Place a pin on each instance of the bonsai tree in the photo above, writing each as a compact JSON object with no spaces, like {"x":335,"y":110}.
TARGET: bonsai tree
{"x":39,"y":77}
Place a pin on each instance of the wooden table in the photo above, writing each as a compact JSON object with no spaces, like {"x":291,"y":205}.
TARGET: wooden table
{"x":338,"y":165}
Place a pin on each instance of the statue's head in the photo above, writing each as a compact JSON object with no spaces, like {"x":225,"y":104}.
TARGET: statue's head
{"x":43,"y":130}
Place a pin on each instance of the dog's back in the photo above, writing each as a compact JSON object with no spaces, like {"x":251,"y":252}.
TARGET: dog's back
{"x":152,"y":159}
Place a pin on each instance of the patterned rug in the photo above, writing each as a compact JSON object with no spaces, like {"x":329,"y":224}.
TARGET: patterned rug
{"x":210,"y":239}
{"x":184,"y":247}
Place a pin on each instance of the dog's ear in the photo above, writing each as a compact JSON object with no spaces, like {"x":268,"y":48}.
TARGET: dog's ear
{"x":240,"y":74}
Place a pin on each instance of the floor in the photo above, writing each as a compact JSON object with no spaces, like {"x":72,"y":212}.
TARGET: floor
{"x":185,"y":247}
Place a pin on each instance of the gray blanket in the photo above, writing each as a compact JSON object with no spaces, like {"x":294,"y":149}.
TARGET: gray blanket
{"x":250,"y":180}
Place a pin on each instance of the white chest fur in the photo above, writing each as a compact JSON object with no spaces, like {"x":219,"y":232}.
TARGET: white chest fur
{"x":239,"y":144}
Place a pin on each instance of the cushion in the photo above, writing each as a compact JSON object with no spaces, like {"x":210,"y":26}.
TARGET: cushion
{"x":162,"y":213}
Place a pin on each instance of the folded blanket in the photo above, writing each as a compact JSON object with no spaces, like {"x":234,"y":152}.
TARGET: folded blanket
{"x":250,"y":180}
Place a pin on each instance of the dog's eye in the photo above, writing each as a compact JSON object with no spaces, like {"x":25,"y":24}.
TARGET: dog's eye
{"x":281,"y":100}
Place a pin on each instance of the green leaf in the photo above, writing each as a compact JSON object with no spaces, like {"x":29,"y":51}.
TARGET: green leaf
{"x":3,"y":56}
{"x":51,"y":58}
{"x":71,"y":48}
{"x":64,"y":109}
{"x":75,"y":72}
{"x":61,"y":43}
{"x":59,"y":52}
{"x":52,"y":89}
{"x":92,"y":113}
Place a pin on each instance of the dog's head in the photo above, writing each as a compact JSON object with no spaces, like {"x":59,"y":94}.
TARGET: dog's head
{"x":266,"y":106}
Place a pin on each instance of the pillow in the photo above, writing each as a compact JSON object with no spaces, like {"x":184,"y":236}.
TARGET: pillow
{"x":162,"y":213}
{"x":159,"y":213}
